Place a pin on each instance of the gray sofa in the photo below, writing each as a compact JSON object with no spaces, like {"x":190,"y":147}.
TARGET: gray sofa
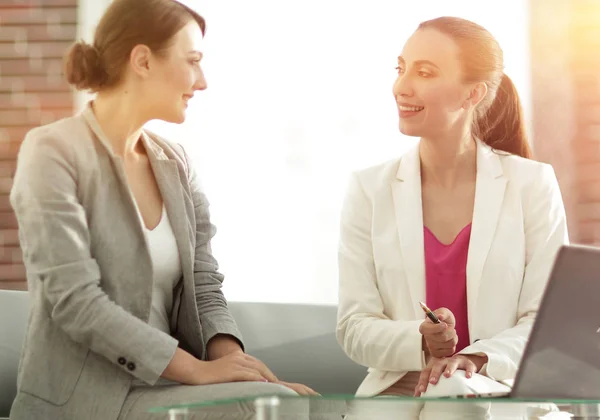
{"x":296,"y":341}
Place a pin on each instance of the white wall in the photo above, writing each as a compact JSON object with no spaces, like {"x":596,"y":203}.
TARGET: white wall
{"x":299,"y":95}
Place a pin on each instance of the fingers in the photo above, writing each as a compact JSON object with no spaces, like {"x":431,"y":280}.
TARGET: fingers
{"x":447,"y":367}
{"x":261,"y":368}
{"x":459,"y":362}
{"x":445,"y":349}
{"x":468,"y":366}
{"x":300,"y":389}
{"x":446,"y":315}
{"x":449,"y":334}
{"x":441,"y":343}
{"x":423,"y":380}
{"x":437,"y":332}
{"x":451,"y":367}
{"x":440,"y":339}
{"x":436,"y":370}
{"x":242,"y":364}
{"x":311,"y":391}
{"x":247,"y":375}
{"x":429,"y":328}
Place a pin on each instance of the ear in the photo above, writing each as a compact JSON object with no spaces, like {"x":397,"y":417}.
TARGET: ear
{"x":139,"y":59}
{"x":476,"y":95}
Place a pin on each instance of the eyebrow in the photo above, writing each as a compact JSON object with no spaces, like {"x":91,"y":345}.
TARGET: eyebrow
{"x":419,"y":62}
{"x":196,"y":52}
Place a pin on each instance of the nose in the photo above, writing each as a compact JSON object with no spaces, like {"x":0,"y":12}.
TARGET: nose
{"x":200,"y":83}
{"x":403,"y":86}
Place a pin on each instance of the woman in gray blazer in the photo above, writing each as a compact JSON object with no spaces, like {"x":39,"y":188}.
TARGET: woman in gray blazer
{"x":127,"y":310}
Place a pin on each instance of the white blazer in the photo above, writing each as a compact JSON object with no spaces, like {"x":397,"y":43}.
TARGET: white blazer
{"x":518,"y":226}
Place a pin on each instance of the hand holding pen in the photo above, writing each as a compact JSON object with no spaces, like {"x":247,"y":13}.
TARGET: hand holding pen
{"x":439,"y":335}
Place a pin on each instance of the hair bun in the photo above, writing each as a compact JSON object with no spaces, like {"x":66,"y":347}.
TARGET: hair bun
{"x":83,"y":67}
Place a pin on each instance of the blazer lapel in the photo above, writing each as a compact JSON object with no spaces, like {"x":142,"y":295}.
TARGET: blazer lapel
{"x":406,"y":192}
{"x":167,"y":177}
{"x":489,"y":195}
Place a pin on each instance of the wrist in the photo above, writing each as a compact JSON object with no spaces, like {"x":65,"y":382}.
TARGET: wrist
{"x":221,"y":345}
{"x":199,"y":372}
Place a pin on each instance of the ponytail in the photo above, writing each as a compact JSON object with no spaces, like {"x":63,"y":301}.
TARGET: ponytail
{"x":502,"y":126}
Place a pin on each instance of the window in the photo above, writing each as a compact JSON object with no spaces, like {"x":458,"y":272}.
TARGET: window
{"x":299,"y":96}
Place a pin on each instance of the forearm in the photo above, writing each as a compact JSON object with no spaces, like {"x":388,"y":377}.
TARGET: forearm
{"x":382,"y":344}
{"x":93,"y":320}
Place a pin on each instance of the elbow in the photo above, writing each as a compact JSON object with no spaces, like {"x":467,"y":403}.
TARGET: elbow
{"x":346,"y":335}
{"x":340,"y":335}
{"x":76,"y":314}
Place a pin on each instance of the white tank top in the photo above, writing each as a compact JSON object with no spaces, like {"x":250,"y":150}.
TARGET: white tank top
{"x":166,"y":267}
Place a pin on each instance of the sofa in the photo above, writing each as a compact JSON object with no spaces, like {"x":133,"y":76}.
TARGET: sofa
{"x":296,"y":341}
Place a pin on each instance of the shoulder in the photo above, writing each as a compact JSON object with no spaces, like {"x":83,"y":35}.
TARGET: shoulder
{"x":57,"y":140}
{"x":373,"y":179}
{"x":526,"y":172}
{"x":49,"y":159}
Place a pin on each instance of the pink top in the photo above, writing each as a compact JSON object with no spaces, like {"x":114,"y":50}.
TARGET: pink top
{"x":446,"y":278}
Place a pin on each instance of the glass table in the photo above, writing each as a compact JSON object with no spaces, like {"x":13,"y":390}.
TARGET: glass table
{"x":338,"y":407}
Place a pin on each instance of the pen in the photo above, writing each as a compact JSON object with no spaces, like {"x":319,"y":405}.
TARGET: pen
{"x":429,"y":313}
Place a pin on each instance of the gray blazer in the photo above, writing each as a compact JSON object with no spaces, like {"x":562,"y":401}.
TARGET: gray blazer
{"x":90,"y":275}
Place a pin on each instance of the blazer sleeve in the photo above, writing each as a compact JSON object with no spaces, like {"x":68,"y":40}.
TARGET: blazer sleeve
{"x":213,"y":312}
{"x":55,"y":240}
{"x":367,"y":335}
{"x":545,"y":232}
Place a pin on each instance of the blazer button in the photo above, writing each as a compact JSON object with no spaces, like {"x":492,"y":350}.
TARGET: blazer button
{"x":122,"y":360}
{"x":131,"y":366}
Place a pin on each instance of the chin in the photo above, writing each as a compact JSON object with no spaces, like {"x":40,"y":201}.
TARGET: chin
{"x":180,"y":119}
{"x":175,"y":118}
{"x":408,"y":130}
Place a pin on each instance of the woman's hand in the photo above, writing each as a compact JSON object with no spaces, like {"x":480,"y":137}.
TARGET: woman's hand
{"x":447,"y":366}
{"x":299,"y":388}
{"x":233,"y":367}
{"x":439,"y":340}
{"x":237,"y":366}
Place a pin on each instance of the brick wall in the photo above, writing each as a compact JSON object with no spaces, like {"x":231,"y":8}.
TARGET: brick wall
{"x":565,"y":63}
{"x":584,"y":63}
{"x":33,"y":37}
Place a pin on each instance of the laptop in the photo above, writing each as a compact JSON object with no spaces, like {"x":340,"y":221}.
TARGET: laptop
{"x":562,"y":357}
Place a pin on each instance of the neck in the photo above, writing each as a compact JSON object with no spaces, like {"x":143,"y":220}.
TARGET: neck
{"x":121,"y":120}
{"x":449,"y":160}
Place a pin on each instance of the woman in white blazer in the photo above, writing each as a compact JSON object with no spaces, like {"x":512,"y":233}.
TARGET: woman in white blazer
{"x":127,"y":308}
{"x":469,"y":180}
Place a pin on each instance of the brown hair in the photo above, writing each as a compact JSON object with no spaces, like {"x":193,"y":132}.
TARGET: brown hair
{"x":125,"y":24}
{"x":499,"y":116}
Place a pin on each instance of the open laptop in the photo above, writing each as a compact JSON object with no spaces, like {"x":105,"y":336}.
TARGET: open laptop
{"x":562,"y":357}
